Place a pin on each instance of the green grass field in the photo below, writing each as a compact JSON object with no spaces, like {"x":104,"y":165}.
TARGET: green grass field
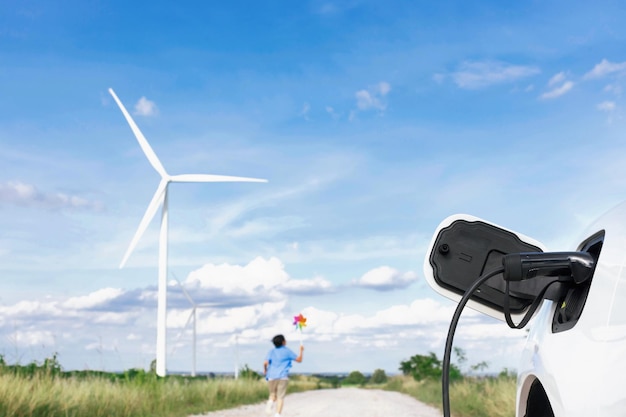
{"x":43,"y":390}
{"x":469,"y":397}
{"x":46,"y":391}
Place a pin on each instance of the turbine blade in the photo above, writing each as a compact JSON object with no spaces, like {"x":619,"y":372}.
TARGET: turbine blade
{"x":157,"y":200}
{"x":145,"y":146}
{"x":187,"y":295}
{"x":212,"y":178}
{"x":189,"y":318}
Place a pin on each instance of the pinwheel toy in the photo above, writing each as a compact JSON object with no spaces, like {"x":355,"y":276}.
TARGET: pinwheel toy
{"x":300,"y":322}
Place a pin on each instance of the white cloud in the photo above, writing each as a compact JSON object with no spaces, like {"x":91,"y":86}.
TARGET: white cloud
{"x":557,"y":79}
{"x":420,"y":323}
{"x":114,"y":318}
{"x":419,"y":312}
{"x":372,"y":98}
{"x":384,"y":88}
{"x":385,"y":278}
{"x":238,"y":319}
{"x":607,"y":106}
{"x":317,"y":285}
{"x":613,"y":89}
{"x":145,"y":107}
{"x":365,"y":100}
{"x":259,"y":274}
{"x":27,"y":195}
{"x":605,"y":68}
{"x":331,"y":111}
{"x":261,"y":280}
{"x":33,"y":338}
{"x":558,"y":91}
{"x":487,"y":331}
{"x":25,"y":309}
{"x":93,"y":299}
{"x":474,"y":75}
{"x":400,"y":320}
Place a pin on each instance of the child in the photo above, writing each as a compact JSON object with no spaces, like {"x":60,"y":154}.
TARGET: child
{"x":276,"y":370}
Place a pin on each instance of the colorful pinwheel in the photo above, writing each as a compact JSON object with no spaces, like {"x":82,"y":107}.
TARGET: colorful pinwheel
{"x":300,"y":322}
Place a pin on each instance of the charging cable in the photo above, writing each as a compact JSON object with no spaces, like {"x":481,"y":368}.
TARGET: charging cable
{"x":445,"y":377}
{"x":576,"y":267}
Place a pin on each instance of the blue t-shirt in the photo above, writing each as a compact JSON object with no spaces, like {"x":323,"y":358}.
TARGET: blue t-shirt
{"x":279,"y":362}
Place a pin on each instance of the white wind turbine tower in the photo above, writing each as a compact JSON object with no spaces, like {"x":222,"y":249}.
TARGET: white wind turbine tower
{"x":236,"y":356}
{"x":160,"y":199}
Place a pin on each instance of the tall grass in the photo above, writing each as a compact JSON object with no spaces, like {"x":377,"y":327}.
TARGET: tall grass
{"x":43,"y":395}
{"x":40,"y":390}
{"x":469,"y":397}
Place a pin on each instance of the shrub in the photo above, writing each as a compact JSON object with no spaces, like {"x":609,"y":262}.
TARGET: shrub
{"x":422,"y":367}
{"x":355,"y":378}
{"x":378,"y":377}
{"x":247,"y":373}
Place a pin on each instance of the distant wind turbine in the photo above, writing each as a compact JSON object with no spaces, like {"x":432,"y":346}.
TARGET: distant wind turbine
{"x":160,"y":199}
{"x":192,"y":316}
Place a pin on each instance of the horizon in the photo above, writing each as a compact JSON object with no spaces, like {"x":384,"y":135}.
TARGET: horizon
{"x":372,"y":123}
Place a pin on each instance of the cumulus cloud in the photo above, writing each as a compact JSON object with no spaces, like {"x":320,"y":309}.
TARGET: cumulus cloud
{"x":418,"y":316}
{"x":605,"y":68}
{"x":93,"y":299}
{"x":385,"y":278}
{"x":260,"y":281}
{"x":33,"y":338}
{"x":145,"y":107}
{"x":31,"y":309}
{"x":240,"y":318}
{"x":475,"y":75}
{"x":112,"y":314}
{"x":260,"y":274}
{"x":27,"y":195}
{"x":315,"y":286}
{"x":89,"y":309}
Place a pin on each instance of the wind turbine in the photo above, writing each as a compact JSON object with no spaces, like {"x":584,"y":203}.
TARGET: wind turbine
{"x":192,"y":316}
{"x":236,"y":356}
{"x":160,"y":199}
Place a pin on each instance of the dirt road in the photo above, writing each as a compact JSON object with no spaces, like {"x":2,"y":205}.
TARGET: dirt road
{"x":343,"y":402}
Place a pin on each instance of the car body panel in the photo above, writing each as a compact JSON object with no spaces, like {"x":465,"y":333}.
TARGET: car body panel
{"x":581,"y":369}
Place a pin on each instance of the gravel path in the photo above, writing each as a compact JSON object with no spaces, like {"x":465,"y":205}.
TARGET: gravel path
{"x":343,"y":402}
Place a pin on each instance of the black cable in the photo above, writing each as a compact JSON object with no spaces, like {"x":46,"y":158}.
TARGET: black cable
{"x":445,"y":377}
{"x":531,"y":310}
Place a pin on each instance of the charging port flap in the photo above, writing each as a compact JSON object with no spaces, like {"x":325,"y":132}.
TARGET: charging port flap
{"x":465,"y":247}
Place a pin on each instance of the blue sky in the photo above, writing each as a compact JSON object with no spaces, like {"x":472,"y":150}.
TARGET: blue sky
{"x":372,"y":122}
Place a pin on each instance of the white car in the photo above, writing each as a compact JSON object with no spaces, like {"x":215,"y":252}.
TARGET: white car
{"x":574,"y":361}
